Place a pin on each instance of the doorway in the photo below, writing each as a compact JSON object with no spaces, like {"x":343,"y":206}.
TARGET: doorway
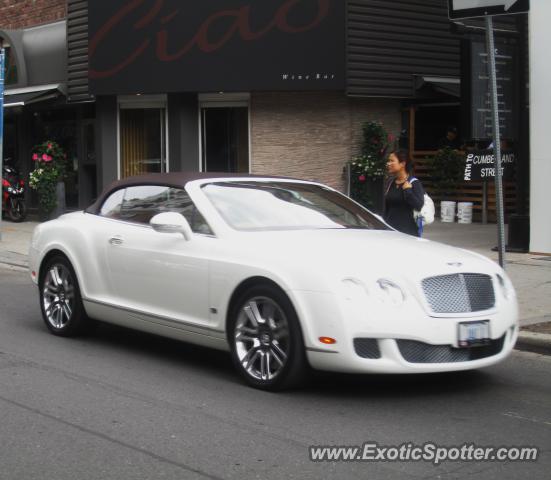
{"x":225,"y":139}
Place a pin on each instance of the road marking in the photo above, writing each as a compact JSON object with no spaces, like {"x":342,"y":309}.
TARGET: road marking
{"x":528,"y":419}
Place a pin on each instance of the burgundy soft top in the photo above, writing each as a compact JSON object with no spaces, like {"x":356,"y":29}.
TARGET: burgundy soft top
{"x":173,"y":179}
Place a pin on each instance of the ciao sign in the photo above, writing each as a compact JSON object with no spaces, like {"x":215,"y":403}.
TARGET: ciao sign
{"x":480,"y":165}
{"x":168,"y":45}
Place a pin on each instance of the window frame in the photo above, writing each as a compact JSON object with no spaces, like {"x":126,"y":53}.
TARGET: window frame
{"x":142,"y":102}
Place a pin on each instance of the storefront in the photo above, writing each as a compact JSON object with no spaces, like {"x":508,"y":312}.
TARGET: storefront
{"x":278,"y":87}
{"x":35,"y":103}
{"x":215,"y":87}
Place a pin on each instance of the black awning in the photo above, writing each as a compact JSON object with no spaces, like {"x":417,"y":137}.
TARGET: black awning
{"x":27,"y":96}
{"x":444,"y":85}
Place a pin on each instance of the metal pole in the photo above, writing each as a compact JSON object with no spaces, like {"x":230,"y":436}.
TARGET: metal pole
{"x":2,"y":60}
{"x":484,"y":202}
{"x":348,"y":173}
{"x":497,"y":140}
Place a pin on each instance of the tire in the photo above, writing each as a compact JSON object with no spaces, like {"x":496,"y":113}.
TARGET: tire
{"x":17,"y":210}
{"x":265,"y":339}
{"x":60,"y":299}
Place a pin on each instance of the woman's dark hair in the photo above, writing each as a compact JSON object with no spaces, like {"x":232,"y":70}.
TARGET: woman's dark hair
{"x":403,"y":157}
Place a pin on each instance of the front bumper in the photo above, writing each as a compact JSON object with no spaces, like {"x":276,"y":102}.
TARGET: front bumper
{"x":392,"y":357}
{"x":405,"y":339}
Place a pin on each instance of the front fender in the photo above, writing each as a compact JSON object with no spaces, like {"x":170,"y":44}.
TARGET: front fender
{"x":76,"y":246}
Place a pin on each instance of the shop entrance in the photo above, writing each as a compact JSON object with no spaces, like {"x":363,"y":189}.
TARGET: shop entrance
{"x":225,"y":139}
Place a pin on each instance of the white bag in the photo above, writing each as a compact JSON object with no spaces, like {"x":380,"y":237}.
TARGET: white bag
{"x":427,"y":210}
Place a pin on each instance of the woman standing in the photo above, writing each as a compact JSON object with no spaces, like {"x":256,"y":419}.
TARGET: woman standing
{"x":404,"y":194}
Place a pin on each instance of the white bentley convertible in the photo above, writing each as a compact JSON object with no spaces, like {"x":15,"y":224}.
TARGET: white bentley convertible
{"x":282,"y":273}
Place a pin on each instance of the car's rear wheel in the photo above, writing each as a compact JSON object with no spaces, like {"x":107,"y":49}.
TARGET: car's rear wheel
{"x":60,"y":300}
{"x":266,"y":340}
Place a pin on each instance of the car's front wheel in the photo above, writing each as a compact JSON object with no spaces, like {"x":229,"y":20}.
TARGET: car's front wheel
{"x":266,"y":340}
{"x":60,"y":299}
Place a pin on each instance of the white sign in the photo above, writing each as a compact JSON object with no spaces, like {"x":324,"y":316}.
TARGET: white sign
{"x":479,"y":8}
{"x":464,"y":4}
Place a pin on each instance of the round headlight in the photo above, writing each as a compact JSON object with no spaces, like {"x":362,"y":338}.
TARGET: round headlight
{"x":505,"y":289}
{"x":392,"y":291}
{"x":354,"y":289}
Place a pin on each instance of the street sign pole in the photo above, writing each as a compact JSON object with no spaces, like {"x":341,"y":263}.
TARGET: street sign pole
{"x":497,"y":139}
{"x":2,"y":60}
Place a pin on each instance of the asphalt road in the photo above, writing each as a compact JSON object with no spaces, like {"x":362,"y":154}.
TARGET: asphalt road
{"x":124,"y":405}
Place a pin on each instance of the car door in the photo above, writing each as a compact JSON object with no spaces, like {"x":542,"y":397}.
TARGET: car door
{"x":158,"y":274}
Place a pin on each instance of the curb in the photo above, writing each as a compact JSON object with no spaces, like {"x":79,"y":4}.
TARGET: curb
{"x":534,"y":342}
{"x":13,"y":261}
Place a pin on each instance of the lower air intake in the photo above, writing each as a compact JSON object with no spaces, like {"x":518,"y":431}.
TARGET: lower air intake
{"x":419,"y":352}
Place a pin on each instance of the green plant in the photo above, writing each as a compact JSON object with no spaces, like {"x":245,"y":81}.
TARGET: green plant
{"x":370,"y":164}
{"x":49,"y":169}
{"x":446,"y":169}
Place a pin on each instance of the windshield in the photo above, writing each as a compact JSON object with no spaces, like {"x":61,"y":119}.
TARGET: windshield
{"x":258,"y":206}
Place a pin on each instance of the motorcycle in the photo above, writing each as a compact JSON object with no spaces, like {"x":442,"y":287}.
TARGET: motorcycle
{"x":13,"y":193}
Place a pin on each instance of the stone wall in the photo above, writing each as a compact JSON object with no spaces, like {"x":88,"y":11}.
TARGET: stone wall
{"x":312,"y":135}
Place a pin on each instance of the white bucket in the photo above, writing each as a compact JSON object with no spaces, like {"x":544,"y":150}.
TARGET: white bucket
{"x":465,"y":212}
{"x":447,"y":212}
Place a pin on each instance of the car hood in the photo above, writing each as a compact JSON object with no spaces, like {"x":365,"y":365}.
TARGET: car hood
{"x":362,"y":253}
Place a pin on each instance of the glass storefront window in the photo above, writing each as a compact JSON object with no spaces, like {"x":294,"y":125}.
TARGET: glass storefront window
{"x":142,"y":141}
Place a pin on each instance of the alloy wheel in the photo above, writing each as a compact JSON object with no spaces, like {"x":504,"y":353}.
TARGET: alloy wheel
{"x":261,"y":338}
{"x":58,"y":296}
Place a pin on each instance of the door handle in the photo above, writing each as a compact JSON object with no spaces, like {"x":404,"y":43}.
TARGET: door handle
{"x":116,"y":240}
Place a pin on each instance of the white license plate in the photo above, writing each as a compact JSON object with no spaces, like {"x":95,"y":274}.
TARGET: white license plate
{"x":474,"y":333}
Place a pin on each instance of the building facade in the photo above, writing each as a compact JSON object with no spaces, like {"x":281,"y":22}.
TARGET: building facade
{"x":540,"y":102}
{"x":281,"y":87}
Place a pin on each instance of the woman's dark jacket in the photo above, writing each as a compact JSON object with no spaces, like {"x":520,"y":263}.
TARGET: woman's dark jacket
{"x":400,"y":204}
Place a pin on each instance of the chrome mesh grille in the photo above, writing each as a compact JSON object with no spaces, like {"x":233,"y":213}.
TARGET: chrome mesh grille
{"x":459,"y":292}
{"x":419,"y":352}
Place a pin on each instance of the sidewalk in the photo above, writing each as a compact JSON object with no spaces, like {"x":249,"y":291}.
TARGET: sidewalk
{"x":530,"y":274}
{"x":14,"y":245}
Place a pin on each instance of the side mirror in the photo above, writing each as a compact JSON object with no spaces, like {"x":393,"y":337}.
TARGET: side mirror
{"x":171,"y":222}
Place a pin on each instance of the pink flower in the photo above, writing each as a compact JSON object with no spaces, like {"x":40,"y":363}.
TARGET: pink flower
{"x":46,"y":158}
{"x":361,"y":178}
{"x":49,"y":146}
{"x":35,"y":157}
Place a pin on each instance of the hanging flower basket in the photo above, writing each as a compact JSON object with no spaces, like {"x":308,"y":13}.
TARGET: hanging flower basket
{"x":49,"y":169}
